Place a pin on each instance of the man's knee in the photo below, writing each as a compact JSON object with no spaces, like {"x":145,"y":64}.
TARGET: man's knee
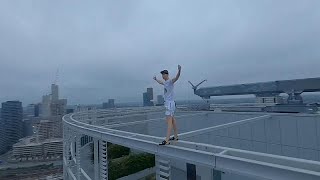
{"x":170,"y":118}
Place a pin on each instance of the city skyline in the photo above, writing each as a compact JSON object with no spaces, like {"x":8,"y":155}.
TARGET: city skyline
{"x":33,"y":138}
{"x":102,"y":53}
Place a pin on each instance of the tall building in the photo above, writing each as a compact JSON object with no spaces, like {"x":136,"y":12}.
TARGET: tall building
{"x":150,"y":93}
{"x":11,"y":132}
{"x":27,"y":127}
{"x":160,"y":100}
{"x":109,"y":104}
{"x":105,"y":105}
{"x":37,"y":110}
{"x":30,"y":110}
{"x":51,"y":104}
{"x":2,"y":133}
{"x":45,"y":106}
{"x":145,"y":99}
{"x":58,"y":108}
{"x":148,"y":97}
{"x":55,"y":92}
{"x":47,"y":129}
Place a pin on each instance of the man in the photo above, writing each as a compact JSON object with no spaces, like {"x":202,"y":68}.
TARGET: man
{"x":170,"y":104}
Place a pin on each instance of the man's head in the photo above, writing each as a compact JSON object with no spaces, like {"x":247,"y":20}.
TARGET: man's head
{"x":165,"y":74}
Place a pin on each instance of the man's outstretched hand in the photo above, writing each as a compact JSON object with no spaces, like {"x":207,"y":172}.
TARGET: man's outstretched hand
{"x":178,"y":75}
{"x":159,"y":81}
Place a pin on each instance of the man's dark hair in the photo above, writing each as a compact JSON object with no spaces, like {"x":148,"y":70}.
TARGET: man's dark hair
{"x":164,"y":72}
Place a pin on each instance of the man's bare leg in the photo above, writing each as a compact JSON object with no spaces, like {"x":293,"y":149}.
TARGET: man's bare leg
{"x":175,"y":129}
{"x":169,"y":122}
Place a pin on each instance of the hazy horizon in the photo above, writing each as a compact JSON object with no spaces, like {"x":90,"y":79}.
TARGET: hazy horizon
{"x":112,"y":49}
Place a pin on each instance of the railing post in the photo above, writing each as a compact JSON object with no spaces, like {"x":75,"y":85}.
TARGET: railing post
{"x":163,"y":168}
{"x":96,"y":158}
{"x":103,"y":159}
{"x":78,"y":155}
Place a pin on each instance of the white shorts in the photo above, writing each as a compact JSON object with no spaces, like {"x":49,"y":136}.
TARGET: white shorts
{"x":170,"y":108}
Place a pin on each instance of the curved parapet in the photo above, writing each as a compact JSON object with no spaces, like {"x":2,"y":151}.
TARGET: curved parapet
{"x":143,"y":128}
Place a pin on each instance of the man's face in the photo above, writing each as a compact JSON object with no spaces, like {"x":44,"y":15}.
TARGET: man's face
{"x":165,"y":76}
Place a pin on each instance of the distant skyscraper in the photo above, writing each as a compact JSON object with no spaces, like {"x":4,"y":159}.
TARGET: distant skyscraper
{"x":2,"y":133}
{"x":45,"y":106}
{"x":51,"y":104}
{"x":160,"y":100}
{"x":109,"y":104}
{"x":58,"y":108}
{"x":55,"y":92}
{"x":147,"y":97}
{"x":105,"y":105}
{"x":150,"y":93}
{"x":36,"y":110}
{"x":11,"y":132}
{"x":47,"y":129}
{"x":27,"y":127}
{"x":29,"y":111}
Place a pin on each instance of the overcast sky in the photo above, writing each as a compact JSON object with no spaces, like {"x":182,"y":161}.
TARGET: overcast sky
{"x":112,"y":49}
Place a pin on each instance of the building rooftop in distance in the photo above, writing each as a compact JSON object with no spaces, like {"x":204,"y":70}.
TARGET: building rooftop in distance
{"x":29,"y":142}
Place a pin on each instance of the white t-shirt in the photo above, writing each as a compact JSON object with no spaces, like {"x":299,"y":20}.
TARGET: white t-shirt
{"x":168,"y":90}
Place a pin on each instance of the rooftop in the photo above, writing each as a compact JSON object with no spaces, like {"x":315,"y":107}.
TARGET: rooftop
{"x":27,"y":142}
{"x":259,"y":144}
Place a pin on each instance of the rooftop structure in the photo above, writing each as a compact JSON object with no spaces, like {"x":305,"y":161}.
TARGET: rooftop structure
{"x":291,"y":87}
{"x":148,"y":97}
{"x":242,"y":145}
{"x":212,"y":144}
{"x":269,"y":92}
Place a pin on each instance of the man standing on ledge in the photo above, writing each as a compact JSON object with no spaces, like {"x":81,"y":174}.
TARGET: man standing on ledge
{"x":169,"y":104}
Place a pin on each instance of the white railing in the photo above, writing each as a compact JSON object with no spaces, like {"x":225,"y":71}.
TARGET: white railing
{"x":220,"y":158}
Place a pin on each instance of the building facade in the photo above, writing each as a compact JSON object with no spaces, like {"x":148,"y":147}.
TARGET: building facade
{"x":150,"y":93}
{"x":148,"y":97}
{"x":45,"y":105}
{"x":58,"y":108}
{"x":54,"y":92}
{"x":109,"y":104}
{"x":11,"y":123}
{"x":31,"y":149}
{"x":160,"y":100}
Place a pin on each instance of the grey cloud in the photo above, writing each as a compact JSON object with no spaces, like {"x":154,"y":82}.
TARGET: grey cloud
{"x":108,"y":49}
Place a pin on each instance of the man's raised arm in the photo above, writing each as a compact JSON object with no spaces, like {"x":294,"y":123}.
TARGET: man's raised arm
{"x":178,"y":75}
{"x":155,"y":78}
